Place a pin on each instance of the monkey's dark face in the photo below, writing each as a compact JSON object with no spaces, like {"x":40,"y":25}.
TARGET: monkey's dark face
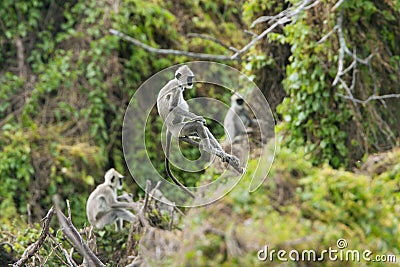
{"x":184,"y":77}
{"x":116,"y":182}
{"x":185,"y":81}
{"x":239,"y":101}
{"x":119,"y":182}
{"x":113,"y":179}
{"x":190,"y":81}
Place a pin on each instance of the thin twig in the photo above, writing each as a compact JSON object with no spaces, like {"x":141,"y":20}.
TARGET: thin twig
{"x":353,"y":67}
{"x":253,"y":34}
{"x":169,"y":51}
{"x":286,"y":18}
{"x":69,"y":210}
{"x":280,"y":19}
{"x":34,"y":248}
{"x":141,"y":213}
{"x":73,"y":235}
{"x":70,"y":260}
{"x":324,"y":38}
{"x":213,"y":39}
{"x":337,"y":5}
{"x":370,"y":98}
{"x":155,"y":188}
{"x":146,"y":199}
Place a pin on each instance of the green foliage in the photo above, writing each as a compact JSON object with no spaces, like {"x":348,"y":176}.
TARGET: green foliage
{"x":22,"y":17}
{"x":111,"y":244}
{"x":328,"y":126}
{"x":299,"y":207}
{"x":313,"y":114}
{"x":65,"y":83}
{"x":16,"y":170}
{"x":10,"y":85}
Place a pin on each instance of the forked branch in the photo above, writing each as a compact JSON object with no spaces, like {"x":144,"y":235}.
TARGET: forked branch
{"x":34,"y":248}
{"x":280,"y":19}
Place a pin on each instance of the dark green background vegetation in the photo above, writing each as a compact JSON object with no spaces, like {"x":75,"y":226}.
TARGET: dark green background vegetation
{"x":65,"y":83}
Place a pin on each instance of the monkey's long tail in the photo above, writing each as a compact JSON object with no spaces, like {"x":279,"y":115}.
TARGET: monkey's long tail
{"x":167,"y":167}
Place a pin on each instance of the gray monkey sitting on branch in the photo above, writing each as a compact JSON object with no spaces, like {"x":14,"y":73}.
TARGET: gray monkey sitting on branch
{"x":181,"y":123}
{"x":104,"y":206}
{"x":239,"y":121}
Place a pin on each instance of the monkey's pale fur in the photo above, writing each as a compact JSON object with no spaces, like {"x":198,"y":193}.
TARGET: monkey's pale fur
{"x":237,"y":118}
{"x":175,"y":113}
{"x":103,"y":206}
{"x":180,"y":122}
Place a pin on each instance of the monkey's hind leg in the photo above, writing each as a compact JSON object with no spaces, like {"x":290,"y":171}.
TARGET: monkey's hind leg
{"x":115,"y":216}
{"x":225,"y":157}
{"x":209,"y":143}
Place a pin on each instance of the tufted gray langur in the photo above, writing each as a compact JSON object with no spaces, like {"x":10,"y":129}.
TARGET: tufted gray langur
{"x":105,"y":207}
{"x":180,"y":122}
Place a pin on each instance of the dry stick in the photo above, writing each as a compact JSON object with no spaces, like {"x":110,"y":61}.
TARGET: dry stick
{"x":213,"y":39}
{"x":169,"y":51}
{"x":370,"y":98}
{"x":34,"y":248}
{"x":72,"y":234}
{"x":353,"y":66}
{"x":286,"y":18}
{"x":170,"y":203}
{"x":155,"y":188}
{"x":283,"y":17}
{"x":146,"y":199}
{"x":141,"y":213}
{"x":324,"y":38}
{"x":67,"y":256}
{"x":337,"y":5}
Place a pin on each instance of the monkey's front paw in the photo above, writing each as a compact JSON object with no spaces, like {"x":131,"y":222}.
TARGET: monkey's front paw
{"x":199,"y":119}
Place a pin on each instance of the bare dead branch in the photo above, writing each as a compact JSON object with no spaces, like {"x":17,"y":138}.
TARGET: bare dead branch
{"x":260,"y":20}
{"x":73,"y":235}
{"x":284,"y":13}
{"x":69,"y":210}
{"x":353,"y":67}
{"x":146,"y":199}
{"x":169,"y":51}
{"x":253,"y":34}
{"x":141,"y":213}
{"x":280,"y":19}
{"x":342,"y":42}
{"x":155,"y":188}
{"x":284,"y":17}
{"x":68,"y":256}
{"x":324,"y":38}
{"x":34,"y":248}
{"x":336,"y":6}
{"x":211,"y":38}
{"x":370,"y":98}
{"x":313,"y":4}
